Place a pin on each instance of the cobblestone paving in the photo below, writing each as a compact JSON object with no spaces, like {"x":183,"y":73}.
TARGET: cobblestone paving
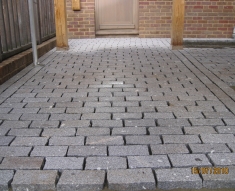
{"x":123,"y":113}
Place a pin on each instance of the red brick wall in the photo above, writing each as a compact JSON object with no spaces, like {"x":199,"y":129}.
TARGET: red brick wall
{"x":81,"y":24}
{"x":203,"y":19}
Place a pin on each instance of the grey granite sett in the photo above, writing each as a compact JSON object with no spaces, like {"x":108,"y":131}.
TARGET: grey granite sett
{"x":5,"y":178}
{"x":75,"y":123}
{"x":222,"y":181}
{"x":173,"y":122}
{"x":4,"y":131}
{"x":65,"y":141}
{"x":77,"y":151}
{"x":180,"y":139}
{"x":232,"y":147}
{"x":44,"y":124}
{"x":217,"y":138}
{"x":23,"y":163}
{"x":6,"y":140}
{"x":61,"y":132}
{"x":6,"y":151}
{"x":29,"y":141}
{"x":65,"y":117}
{"x":189,"y":160}
{"x":99,"y":163}
{"x":225,"y":129}
{"x":143,"y":140}
{"x":129,"y":131}
{"x":168,"y":149}
{"x":131,"y":179}
{"x":209,"y":148}
{"x":77,"y":180}
{"x":165,"y":130}
{"x":49,"y":151}
{"x":129,"y":150}
{"x":107,"y":123}
{"x":92,"y":131}
{"x":34,"y":180}
{"x":104,"y":140}
{"x":222,"y":159}
{"x":140,"y":123}
{"x":156,"y":161}
{"x":175,"y":178}
{"x":199,"y":130}
{"x":25,"y":132}
{"x":63,"y":163}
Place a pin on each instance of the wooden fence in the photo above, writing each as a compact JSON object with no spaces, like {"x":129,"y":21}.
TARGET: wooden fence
{"x":15,"y":28}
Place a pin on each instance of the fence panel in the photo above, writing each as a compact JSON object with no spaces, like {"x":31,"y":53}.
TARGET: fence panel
{"x":15,"y":27}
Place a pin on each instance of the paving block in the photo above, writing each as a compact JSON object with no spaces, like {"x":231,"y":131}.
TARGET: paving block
{"x":125,"y":104}
{"x":96,"y":116}
{"x":52,"y":110}
{"x":105,"y":163}
{"x":29,"y":141}
{"x":173,"y":122}
{"x":10,"y":117}
{"x":25,"y":132}
{"x":140,"y":123}
{"x":4,"y":131}
{"x":25,"y":110}
{"x":222,"y":159}
{"x":219,"y":180}
{"x":189,"y":160}
{"x":180,"y":139}
{"x":158,"y":115}
{"x":118,"y":116}
{"x":77,"y":151}
{"x":229,"y":121}
{"x":32,"y":117}
{"x":225,"y":129}
{"x":6,"y":151}
{"x":206,"y":122}
{"x":23,"y":163}
{"x":77,"y":180}
{"x":64,"y":141}
{"x":104,"y":140}
{"x":80,"y":110}
{"x":175,"y":178}
{"x":209,"y":148}
{"x":217,"y":138}
{"x":39,"y":105}
{"x":34,"y":180}
{"x":169,"y":149}
{"x":199,"y":130}
{"x":92,"y":131}
{"x":143,"y":140}
{"x":154,"y":103}
{"x":65,"y":117}
{"x":131,"y":179}
{"x":107,"y":123}
{"x":97,"y":104}
{"x":110,"y":110}
{"x":186,"y":114}
{"x":61,"y":132}
{"x":129,"y":131}
{"x":49,"y":151}
{"x":68,"y":104}
{"x":216,"y":115}
{"x":6,"y":140}
{"x":156,"y":161}
{"x":44,"y":124}
{"x":64,"y":163}
{"x":165,"y":130}
{"x":5,"y":178}
{"x":75,"y":123}
{"x":232,"y":146}
{"x":129,"y":150}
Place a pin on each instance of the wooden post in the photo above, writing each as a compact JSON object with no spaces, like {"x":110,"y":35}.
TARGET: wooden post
{"x":61,"y":25}
{"x":177,"y":28}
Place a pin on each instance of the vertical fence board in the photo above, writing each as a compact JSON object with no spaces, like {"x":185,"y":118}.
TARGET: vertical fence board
{"x":15,"y":26}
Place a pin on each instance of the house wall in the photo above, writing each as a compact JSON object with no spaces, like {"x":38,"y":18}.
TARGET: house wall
{"x":203,"y":19}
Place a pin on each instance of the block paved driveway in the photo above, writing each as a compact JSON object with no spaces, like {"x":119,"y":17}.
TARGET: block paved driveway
{"x":122,"y":113}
